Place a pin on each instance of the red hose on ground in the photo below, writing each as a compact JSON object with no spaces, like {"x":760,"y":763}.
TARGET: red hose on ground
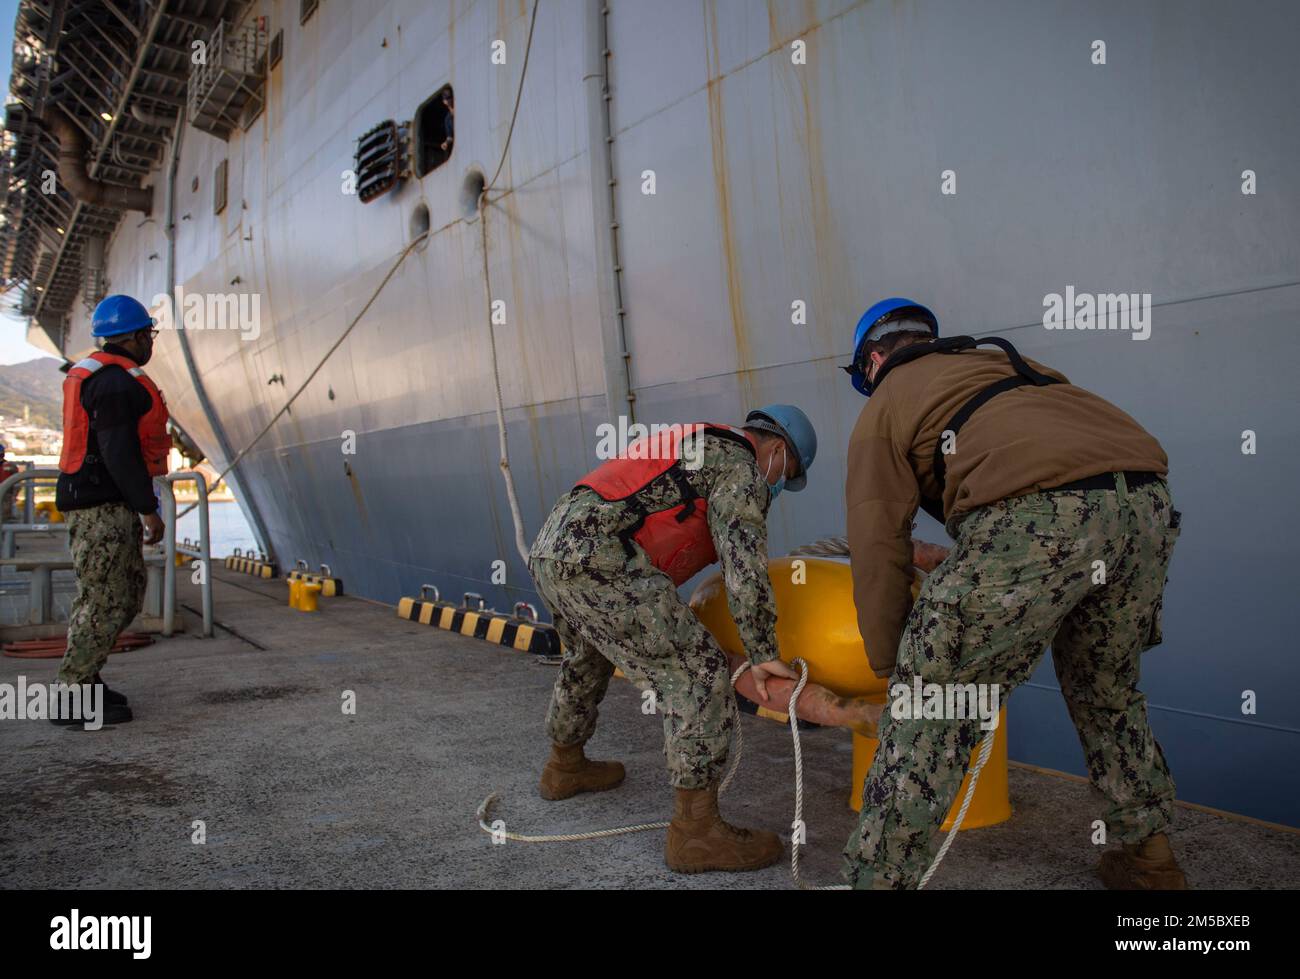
{"x":55,"y":647}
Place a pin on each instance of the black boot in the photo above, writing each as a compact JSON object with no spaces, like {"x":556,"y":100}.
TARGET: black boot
{"x":110,"y":696}
{"x":110,"y":714}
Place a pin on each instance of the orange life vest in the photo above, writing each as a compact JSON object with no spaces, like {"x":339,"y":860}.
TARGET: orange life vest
{"x":677,"y":540}
{"x":155,"y":443}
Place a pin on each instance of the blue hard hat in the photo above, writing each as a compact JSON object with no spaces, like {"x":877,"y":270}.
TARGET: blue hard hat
{"x":793,"y":426}
{"x":117,"y":315}
{"x":872,"y":318}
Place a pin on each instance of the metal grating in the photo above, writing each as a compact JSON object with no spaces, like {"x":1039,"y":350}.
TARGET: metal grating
{"x":228,"y":78}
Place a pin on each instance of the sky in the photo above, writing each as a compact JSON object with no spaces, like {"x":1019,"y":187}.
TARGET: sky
{"x":14,"y":348}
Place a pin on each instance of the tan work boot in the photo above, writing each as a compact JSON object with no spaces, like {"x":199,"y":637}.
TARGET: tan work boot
{"x":700,"y":840}
{"x":1145,"y":866}
{"x":568,"y":771}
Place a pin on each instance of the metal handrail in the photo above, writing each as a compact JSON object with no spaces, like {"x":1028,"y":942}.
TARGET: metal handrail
{"x":29,"y":507}
{"x":204,"y":549}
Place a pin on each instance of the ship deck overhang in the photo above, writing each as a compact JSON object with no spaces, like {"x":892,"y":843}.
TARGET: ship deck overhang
{"x":118,"y":70}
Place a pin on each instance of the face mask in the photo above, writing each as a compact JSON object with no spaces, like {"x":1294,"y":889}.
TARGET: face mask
{"x":144,"y":351}
{"x":775,"y":488}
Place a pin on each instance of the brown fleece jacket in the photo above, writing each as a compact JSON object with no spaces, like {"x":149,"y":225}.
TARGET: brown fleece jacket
{"x":1022,"y":441}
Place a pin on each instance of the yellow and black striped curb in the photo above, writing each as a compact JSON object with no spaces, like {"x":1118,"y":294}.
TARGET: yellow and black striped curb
{"x":329,"y":587}
{"x":498,"y":627}
{"x":248,"y":565}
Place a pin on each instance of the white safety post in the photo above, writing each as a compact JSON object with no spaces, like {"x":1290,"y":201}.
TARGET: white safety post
{"x":204,"y":549}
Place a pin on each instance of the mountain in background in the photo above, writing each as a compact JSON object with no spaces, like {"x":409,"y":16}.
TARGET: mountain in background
{"x":37,"y":384}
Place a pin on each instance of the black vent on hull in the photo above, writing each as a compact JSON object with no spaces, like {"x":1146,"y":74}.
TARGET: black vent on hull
{"x":380,"y":161}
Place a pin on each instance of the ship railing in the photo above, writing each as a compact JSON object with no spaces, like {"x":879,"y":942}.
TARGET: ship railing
{"x":40,"y":595}
{"x":9,"y":528}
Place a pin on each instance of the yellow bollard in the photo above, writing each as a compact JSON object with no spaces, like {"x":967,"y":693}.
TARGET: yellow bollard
{"x":294,"y":593}
{"x":308,"y":593}
{"x":991,"y":804}
{"x":817,"y":621}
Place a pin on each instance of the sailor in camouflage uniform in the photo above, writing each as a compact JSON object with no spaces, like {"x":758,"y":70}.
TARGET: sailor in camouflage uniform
{"x":608,"y":561}
{"x":115,"y":441}
{"x":1064,"y":528}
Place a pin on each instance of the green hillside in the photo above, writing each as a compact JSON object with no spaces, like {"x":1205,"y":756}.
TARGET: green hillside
{"x":38,"y":384}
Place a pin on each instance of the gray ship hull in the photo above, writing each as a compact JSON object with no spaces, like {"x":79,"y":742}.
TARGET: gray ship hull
{"x":775,"y":183}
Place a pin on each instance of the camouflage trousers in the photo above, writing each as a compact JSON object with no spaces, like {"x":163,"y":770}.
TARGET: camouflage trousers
{"x":106,"y":555}
{"x":634,"y":620}
{"x":1081,"y":570}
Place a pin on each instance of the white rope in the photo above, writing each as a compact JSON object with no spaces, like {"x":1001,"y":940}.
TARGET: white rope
{"x":798,"y":827}
{"x":826,"y":547}
{"x":737,"y":749}
{"x":515,"y":515}
{"x":315,"y":370}
{"x":519,"y":94}
{"x":986,"y":750}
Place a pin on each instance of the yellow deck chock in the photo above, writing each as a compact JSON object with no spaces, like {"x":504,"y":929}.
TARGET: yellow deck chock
{"x":329,"y":585}
{"x":258,"y":567}
{"x":303,"y":595}
{"x":520,"y":630}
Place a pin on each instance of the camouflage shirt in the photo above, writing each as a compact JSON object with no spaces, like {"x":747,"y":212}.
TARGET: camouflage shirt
{"x":584,"y":529}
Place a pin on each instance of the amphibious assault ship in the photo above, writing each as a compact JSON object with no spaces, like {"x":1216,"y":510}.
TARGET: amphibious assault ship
{"x":697,"y":200}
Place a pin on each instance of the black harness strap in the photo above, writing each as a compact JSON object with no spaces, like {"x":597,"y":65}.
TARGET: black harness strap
{"x":689,"y":496}
{"x":963,"y":415}
{"x":1024,"y":375}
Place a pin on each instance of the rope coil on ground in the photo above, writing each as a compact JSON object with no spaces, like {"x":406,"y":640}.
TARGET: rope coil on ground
{"x":797,"y":827}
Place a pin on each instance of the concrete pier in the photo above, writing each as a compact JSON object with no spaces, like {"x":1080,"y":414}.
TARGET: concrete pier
{"x":246,"y":734}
